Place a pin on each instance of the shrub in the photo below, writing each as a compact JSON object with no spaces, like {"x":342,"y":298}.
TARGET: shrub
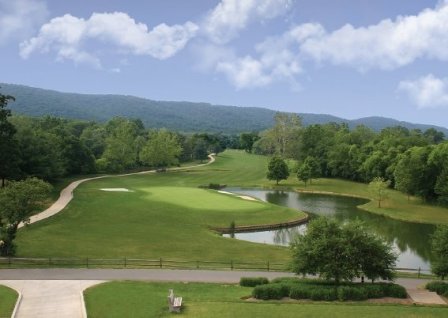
{"x":374,"y":290}
{"x":440,"y":288}
{"x":328,"y":294}
{"x":352,"y":293}
{"x":271,"y":291}
{"x":253,"y":281}
{"x":309,"y":291}
{"x":287,"y":280}
{"x":393,"y":290}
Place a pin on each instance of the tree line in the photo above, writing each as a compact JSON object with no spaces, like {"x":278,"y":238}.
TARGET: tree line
{"x":412,"y":161}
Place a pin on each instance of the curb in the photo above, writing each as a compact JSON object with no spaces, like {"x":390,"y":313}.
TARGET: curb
{"x":83,"y":305}
{"x":16,"y":307}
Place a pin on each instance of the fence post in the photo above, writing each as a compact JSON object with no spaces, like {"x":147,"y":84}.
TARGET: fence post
{"x":9,"y":261}
{"x":197,"y":264}
{"x":231,"y":265}
{"x":268,"y":266}
{"x":418,"y":275}
{"x":49,"y":261}
{"x":160,"y":262}
{"x":125,"y":262}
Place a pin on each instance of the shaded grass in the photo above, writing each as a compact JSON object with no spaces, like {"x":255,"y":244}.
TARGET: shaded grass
{"x":140,"y":299}
{"x":8,"y":298}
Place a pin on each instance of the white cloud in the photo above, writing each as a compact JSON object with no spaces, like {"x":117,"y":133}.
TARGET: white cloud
{"x":229,"y":17}
{"x":70,"y":37}
{"x":244,"y":72}
{"x":386,"y":45}
{"x":427,"y":92}
{"x":19,"y":18}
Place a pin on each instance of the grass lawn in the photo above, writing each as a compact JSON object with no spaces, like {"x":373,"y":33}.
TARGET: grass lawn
{"x":166,"y":216}
{"x":8,"y":298}
{"x":141,"y":299}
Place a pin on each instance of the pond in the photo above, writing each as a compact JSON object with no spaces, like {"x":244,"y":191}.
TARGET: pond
{"x":411,"y":240}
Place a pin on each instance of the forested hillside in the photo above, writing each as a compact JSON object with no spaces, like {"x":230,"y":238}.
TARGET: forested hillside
{"x":178,"y":116}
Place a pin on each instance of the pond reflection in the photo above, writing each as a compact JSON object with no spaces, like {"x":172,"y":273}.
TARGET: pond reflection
{"x":411,"y":240}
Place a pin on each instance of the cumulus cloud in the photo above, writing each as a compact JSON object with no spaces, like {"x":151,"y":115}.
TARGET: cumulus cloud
{"x":69,"y":37}
{"x":19,"y":18}
{"x":229,"y":17}
{"x":427,"y":92}
{"x":387,"y":45}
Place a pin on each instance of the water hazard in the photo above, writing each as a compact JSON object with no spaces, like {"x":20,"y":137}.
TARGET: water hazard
{"x":411,"y":240}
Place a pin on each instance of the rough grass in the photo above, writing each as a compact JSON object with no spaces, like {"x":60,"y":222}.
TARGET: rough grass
{"x":166,"y":216}
{"x":140,"y":299}
{"x":8,"y":298}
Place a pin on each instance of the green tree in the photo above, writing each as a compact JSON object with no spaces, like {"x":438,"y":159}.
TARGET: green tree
{"x":247,"y":141}
{"x":439,"y":246}
{"x":200,"y":150}
{"x":18,"y":200}
{"x":341,"y":252}
{"x":277,"y":169}
{"x":304,"y":173}
{"x":315,"y":167}
{"x":378,"y":188}
{"x":161,"y":150}
{"x":8,"y":145}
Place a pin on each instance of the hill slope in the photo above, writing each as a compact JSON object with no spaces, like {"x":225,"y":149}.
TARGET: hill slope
{"x":180,"y":116}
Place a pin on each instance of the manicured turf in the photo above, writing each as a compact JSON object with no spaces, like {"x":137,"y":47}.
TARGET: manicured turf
{"x":166,"y":216}
{"x":139,"y":299}
{"x":8,"y":298}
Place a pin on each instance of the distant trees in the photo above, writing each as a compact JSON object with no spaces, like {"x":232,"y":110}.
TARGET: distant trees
{"x":439,"y":246}
{"x":162,"y":149}
{"x":341,"y":252}
{"x":277,"y":169}
{"x":8,"y":145}
{"x":247,"y":141}
{"x":18,"y":200}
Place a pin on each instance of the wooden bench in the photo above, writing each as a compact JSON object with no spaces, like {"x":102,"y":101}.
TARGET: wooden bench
{"x":174,"y":303}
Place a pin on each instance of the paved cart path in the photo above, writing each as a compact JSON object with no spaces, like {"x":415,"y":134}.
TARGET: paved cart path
{"x":56,"y":293}
{"x":67,"y":193}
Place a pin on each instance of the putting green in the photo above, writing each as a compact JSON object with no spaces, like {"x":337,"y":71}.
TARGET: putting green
{"x":201,"y":199}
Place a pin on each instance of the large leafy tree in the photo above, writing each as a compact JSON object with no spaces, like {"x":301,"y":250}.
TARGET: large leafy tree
{"x":439,"y":244}
{"x":277,"y":169}
{"x":161,"y":150}
{"x":341,"y":252}
{"x":18,"y":200}
{"x":8,"y":146}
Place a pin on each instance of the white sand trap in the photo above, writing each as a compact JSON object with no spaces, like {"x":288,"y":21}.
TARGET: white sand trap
{"x":116,"y":190}
{"x":225,"y":192}
{"x":245,"y":197}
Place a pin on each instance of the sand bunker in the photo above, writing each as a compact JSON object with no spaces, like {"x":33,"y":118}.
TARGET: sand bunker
{"x":116,"y":190}
{"x":225,"y":192}
{"x":245,"y":197}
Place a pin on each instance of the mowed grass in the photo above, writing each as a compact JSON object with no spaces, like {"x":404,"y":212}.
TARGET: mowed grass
{"x":8,"y":298}
{"x":165,"y":216}
{"x":142,"y":299}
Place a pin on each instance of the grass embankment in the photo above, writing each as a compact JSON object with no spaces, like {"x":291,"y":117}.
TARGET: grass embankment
{"x":166,"y":216}
{"x":8,"y":298}
{"x":140,"y":299}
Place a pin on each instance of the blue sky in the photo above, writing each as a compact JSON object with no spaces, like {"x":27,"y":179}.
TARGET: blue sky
{"x":349,"y":58}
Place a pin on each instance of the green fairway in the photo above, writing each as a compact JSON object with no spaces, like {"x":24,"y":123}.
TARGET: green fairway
{"x":140,"y":299}
{"x":8,"y":298}
{"x":166,"y":215}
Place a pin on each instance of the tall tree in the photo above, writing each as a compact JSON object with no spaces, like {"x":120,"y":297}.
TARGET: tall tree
{"x":304,"y":173}
{"x":161,"y":150}
{"x":439,"y":244}
{"x":247,"y":140}
{"x":8,"y":147}
{"x":18,"y":200}
{"x":277,"y":169}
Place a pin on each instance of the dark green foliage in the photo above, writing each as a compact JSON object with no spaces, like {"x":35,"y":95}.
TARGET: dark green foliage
{"x":351,"y":293}
{"x":253,"y":281}
{"x":313,"y":292}
{"x":271,"y":291}
{"x":8,"y":144}
{"x":277,"y":169}
{"x":440,"y":288}
{"x":247,"y":140}
{"x":341,"y":252}
{"x":439,"y":247}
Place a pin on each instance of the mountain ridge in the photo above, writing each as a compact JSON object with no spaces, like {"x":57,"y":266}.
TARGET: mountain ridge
{"x":176,"y":115}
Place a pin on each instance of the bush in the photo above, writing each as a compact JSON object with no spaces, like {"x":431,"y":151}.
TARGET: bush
{"x":440,"y":288}
{"x":314,"y":292}
{"x":374,"y":291}
{"x":286,"y":280}
{"x":352,"y":293}
{"x":253,"y":281}
{"x":393,"y":290}
{"x":328,"y":294}
{"x":271,"y":291}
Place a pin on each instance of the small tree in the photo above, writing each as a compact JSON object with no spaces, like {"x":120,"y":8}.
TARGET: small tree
{"x":18,"y":200}
{"x":439,"y":246}
{"x":314,"y":166}
{"x":277,"y":169}
{"x":378,"y":188}
{"x":304,"y":173}
{"x":341,"y":252}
